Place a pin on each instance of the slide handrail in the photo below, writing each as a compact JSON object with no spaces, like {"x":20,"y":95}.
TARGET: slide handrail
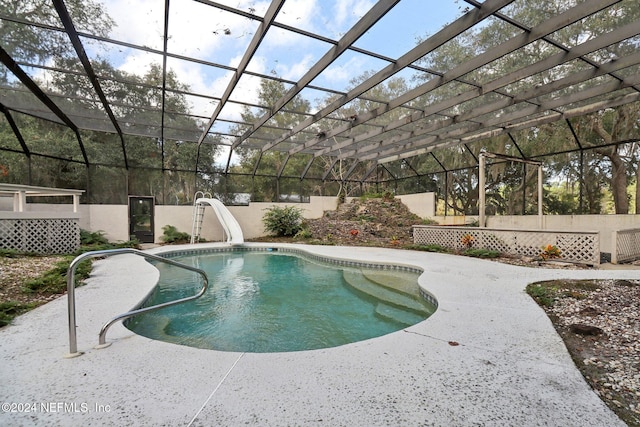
{"x":73,"y":343}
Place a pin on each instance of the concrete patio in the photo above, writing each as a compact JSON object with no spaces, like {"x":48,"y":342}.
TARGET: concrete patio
{"x":510,"y":367}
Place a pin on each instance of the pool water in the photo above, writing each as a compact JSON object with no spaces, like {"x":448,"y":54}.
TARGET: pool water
{"x":276,"y":302}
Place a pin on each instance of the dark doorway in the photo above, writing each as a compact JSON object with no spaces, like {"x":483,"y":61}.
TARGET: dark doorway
{"x":141,"y":218}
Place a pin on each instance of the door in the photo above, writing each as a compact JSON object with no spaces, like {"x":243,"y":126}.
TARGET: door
{"x":141,"y":218}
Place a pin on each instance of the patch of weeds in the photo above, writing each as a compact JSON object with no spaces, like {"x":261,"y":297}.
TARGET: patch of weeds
{"x":9,"y":253}
{"x":10,"y":309}
{"x":305,"y":233}
{"x":429,"y":248}
{"x":429,"y":221}
{"x":481,"y":253}
{"x":365,"y":218}
{"x":544,"y":293}
{"x":54,"y":281}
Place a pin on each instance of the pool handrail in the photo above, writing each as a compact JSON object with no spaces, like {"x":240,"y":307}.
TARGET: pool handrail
{"x":73,"y":343}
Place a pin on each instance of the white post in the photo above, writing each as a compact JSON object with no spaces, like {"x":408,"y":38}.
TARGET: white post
{"x":540,"y":217}
{"x":76,"y":202}
{"x":22,"y":201}
{"x":481,"y":190}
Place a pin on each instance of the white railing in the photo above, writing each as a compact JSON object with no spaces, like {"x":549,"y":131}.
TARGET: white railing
{"x":581,"y":247}
{"x":626,"y":245}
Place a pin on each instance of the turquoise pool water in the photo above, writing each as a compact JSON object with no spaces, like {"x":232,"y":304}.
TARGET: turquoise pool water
{"x":278,"y":302}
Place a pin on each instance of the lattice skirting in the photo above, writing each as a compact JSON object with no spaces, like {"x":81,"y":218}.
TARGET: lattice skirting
{"x":627,"y":245}
{"x":577,"y":247}
{"x":41,"y":236}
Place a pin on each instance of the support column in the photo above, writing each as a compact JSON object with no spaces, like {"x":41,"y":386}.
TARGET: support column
{"x":481,"y":190}
{"x":540,"y":216}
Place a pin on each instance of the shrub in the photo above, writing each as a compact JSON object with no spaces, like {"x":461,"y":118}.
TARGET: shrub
{"x":11,"y":309}
{"x":285,"y":221}
{"x":481,"y":253}
{"x":54,"y":281}
{"x":172,"y":236}
{"x":550,"y":252}
{"x":92,"y":238}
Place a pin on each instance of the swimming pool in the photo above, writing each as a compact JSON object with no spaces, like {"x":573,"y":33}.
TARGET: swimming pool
{"x":274,"y":300}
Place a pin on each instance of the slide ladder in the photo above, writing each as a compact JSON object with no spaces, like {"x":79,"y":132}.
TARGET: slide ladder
{"x":198,"y":217}
{"x":229,"y":223}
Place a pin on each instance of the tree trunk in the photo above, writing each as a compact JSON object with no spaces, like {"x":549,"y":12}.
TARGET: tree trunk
{"x":618,"y":172}
{"x":638,"y":188}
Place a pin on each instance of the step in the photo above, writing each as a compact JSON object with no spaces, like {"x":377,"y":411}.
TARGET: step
{"x":356,"y":280}
{"x":389,"y":312}
{"x":399,"y":281}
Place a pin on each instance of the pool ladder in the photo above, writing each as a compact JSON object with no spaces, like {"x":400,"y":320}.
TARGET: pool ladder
{"x":73,"y":343}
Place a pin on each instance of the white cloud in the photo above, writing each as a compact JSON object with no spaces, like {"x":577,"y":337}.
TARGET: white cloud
{"x":298,"y":13}
{"x":343,"y":73}
{"x":296,"y":70}
{"x":347,"y":12}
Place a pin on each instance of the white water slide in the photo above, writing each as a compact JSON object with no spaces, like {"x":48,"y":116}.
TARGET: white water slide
{"x":229,"y":223}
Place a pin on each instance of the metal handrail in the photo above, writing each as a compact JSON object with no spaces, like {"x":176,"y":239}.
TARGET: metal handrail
{"x":73,"y":343}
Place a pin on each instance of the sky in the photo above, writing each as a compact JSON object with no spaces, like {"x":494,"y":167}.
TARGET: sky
{"x":203,"y":32}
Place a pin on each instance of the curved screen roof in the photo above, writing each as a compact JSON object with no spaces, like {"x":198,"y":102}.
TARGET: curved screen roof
{"x":555,"y":64}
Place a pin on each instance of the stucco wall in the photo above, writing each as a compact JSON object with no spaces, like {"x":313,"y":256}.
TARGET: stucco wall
{"x":113,"y":220}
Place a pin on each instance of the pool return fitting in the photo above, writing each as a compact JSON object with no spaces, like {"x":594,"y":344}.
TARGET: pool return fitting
{"x":73,"y":344}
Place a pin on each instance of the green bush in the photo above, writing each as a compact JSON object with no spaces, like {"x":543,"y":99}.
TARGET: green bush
{"x":54,"y":281}
{"x":172,"y":236}
{"x":92,"y":238}
{"x":285,"y":221}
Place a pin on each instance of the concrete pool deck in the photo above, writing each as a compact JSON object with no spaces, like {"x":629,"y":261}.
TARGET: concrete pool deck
{"x":510,"y":368}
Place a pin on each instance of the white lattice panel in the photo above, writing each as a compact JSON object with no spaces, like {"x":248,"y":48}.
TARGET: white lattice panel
{"x":41,"y":236}
{"x":578,"y":247}
{"x":627,"y":245}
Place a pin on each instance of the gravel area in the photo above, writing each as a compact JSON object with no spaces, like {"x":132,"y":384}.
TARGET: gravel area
{"x":15,"y":271}
{"x":599,"y":322}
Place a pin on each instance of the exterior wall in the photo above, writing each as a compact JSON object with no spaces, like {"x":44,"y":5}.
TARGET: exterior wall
{"x":112,"y":220}
{"x":249,"y":217}
{"x":422,"y":204}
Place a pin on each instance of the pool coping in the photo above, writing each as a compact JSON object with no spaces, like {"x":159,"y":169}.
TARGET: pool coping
{"x":487,"y":356}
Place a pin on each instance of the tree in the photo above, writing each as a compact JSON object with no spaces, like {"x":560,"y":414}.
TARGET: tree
{"x":606,"y":130}
{"x":269,"y":163}
{"x":35,"y":44}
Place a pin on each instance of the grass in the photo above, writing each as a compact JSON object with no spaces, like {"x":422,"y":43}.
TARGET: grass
{"x":10,"y":309}
{"x":54,"y":281}
{"x":547,"y":292}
